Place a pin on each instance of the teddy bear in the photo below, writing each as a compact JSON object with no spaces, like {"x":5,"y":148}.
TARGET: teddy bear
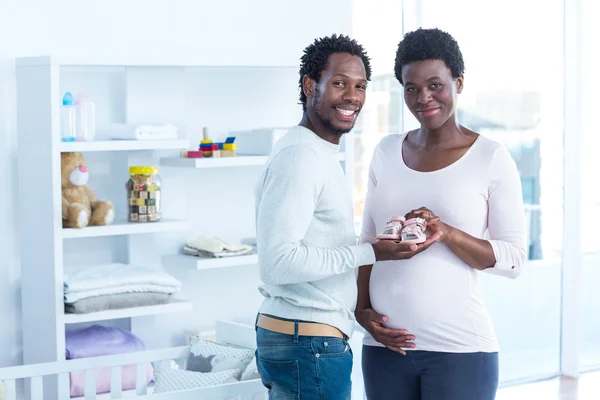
{"x":80,"y":206}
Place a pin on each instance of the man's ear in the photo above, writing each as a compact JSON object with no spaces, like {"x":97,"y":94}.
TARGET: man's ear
{"x":308,"y":86}
{"x":460,"y":83}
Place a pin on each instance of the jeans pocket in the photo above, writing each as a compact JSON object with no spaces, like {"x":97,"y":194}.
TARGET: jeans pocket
{"x":330,"y":347}
{"x":335,"y":372}
{"x":280,"y":377}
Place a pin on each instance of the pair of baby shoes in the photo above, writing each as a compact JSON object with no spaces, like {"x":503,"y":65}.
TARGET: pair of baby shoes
{"x":407,"y":231}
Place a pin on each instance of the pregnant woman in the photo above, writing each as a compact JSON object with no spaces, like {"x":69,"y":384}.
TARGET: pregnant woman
{"x":429,"y":335}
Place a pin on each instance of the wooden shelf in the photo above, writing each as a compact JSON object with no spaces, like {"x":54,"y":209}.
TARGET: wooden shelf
{"x":237,"y":161}
{"x":124,"y":145}
{"x":172,"y":307}
{"x":185,"y":261}
{"x":127,"y":228}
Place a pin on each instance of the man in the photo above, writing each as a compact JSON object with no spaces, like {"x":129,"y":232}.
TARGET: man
{"x":307,"y":250}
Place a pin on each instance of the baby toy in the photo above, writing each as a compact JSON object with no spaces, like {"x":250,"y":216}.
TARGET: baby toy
{"x":209,"y":149}
{"x":80,"y":206}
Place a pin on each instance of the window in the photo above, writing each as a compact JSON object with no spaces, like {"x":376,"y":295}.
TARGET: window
{"x":590,"y":194}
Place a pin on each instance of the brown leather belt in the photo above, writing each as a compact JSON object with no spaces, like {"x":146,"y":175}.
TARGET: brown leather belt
{"x":304,"y":328}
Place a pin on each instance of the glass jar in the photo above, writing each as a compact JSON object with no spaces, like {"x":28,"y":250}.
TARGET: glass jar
{"x":143,"y":194}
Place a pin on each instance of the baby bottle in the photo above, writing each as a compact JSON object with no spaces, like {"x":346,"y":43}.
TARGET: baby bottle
{"x":86,"y":118}
{"x":68,"y":118}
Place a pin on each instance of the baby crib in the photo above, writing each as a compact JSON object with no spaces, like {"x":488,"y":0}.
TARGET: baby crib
{"x":32,"y":377}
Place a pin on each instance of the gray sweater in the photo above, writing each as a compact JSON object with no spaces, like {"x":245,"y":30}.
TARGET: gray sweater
{"x":307,"y":249}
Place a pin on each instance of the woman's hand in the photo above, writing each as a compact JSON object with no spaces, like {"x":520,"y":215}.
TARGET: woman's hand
{"x":393,"y":339}
{"x":434,"y":223}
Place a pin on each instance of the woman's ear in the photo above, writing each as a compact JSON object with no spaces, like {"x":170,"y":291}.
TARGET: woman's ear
{"x":460,"y":81}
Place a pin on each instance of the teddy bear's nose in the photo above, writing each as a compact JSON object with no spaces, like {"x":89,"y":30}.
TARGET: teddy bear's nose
{"x":83,"y":169}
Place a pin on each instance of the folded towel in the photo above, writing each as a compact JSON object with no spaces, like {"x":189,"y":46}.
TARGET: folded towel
{"x":82,"y":278}
{"x":215,"y":245}
{"x":140,"y":132}
{"x":72,"y":297}
{"x":203,"y":253}
{"x":116,"y":301}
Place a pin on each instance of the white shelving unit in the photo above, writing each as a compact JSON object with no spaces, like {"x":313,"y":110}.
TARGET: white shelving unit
{"x":238,"y":161}
{"x":171,"y":307}
{"x":118,"y":228}
{"x":200,"y":263}
{"x":189,"y":93}
{"x":40,"y":85}
{"x":125,"y":145}
{"x":223,"y":162}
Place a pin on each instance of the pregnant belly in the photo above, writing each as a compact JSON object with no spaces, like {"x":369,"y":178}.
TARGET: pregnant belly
{"x":442,"y":307}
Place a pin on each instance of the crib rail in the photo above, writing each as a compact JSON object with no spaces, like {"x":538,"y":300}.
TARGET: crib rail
{"x":33,"y":375}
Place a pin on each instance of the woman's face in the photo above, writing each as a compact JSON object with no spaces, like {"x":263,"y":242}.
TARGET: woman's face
{"x":430,"y":92}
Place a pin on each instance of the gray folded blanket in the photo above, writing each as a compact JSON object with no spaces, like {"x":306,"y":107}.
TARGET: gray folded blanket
{"x":116,"y":301}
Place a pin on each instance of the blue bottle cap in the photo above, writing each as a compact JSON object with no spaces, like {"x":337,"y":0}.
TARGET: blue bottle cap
{"x":67,"y":99}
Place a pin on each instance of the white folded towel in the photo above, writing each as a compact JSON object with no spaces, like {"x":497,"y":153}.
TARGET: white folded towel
{"x":140,"y":132}
{"x":106,"y":276}
{"x":215,"y":245}
{"x":73,"y":297}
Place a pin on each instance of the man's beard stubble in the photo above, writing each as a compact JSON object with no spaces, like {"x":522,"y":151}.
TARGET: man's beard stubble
{"x":326,"y":121}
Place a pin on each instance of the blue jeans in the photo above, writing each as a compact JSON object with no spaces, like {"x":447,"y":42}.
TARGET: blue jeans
{"x":429,"y":375}
{"x":307,"y":367}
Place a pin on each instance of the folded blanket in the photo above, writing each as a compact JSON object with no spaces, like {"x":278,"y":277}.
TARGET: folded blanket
{"x":98,"y":340}
{"x":116,"y":301}
{"x":215,"y":246}
{"x":87,"y":281}
{"x":203,"y":253}
{"x":71,"y":298}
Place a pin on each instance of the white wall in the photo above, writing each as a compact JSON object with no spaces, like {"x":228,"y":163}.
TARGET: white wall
{"x":273,"y":30}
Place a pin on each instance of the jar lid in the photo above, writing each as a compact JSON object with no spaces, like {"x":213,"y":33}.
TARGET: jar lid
{"x":143,"y":170}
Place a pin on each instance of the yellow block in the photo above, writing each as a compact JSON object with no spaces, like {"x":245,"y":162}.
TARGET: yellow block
{"x":229,"y":146}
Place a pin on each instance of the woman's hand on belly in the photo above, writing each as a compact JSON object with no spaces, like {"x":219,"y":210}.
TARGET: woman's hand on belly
{"x":393,"y":339}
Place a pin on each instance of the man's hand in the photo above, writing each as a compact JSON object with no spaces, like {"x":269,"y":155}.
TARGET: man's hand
{"x":393,"y":339}
{"x":390,"y":250}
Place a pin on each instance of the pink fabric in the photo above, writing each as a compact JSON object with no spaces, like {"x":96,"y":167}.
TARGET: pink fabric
{"x":128,"y":377}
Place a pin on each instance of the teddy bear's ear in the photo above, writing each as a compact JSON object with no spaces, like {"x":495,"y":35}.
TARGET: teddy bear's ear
{"x":80,"y":159}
